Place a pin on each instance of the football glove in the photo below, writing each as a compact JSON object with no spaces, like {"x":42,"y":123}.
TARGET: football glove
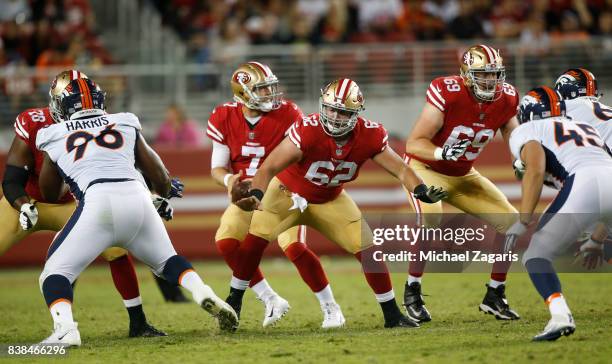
{"x":28,"y":216}
{"x":176,"y":188}
{"x":592,"y":253}
{"x":163,"y":207}
{"x":452,"y":152}
{"x":519,"y":169}
{"x":513,"y":234}
{"x":429,"y":195}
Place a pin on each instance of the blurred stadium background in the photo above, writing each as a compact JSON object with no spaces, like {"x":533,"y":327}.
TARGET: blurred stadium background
{"x":152,"y":54}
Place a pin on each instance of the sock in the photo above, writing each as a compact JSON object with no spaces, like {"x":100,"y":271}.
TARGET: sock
{"x":137,"y":315}
{"x":494,"y":284}
{"x":229,"y":250}
{"x":249,"y":256}
{"x":376,"y":273}
{"x":413,"y":279}
{"x":191,"y":281}
{"x":543,"y":276}
{"x":308,"y":265}
{"x":390,"y":310}
{"x":61,"y":311}
{"x":124,"y":277}
{"x":500,"y":269}
{"x":263,"y":290}
{"x":325,"y":295}
{"x":557,"y":305}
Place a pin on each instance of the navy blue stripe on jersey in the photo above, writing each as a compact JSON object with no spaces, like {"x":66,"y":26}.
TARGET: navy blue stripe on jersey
{"x":61,"y":236}
{"x":74,"y":187}
{"x":553,"y":167}
{"x":108,"y":180}
{"x":558,"y":202}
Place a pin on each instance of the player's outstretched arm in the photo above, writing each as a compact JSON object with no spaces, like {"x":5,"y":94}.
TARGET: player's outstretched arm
{"x":284,"y":155}
{"x":427,"y":125}
{"x":50,"y":181}
{"x":507,"y":129}
{"x":534,"y":159}
{"x":393,"y":163}
{"x":19,"y":163}
{"x":152,"y":167}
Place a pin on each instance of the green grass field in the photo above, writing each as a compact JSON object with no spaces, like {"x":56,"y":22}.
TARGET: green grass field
{"x":458,"y":332}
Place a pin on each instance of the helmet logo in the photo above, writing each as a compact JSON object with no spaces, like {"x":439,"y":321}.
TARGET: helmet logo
{"x":54,"y":84}
{"x":359,"y":97}
{"x":468,"y":59}
{"x":242,"y":78}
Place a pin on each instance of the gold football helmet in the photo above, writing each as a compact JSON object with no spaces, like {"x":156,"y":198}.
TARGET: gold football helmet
{"x":255,"y":86}
{"x":58,"y":85}
{"x":340,"y":103}
{"x":483,"y":72}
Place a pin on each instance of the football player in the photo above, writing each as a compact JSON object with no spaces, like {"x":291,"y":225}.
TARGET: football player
{"x":97,"y":154}
{"x":243,"y":134}
{"x":23,"y":209}
{"x":572,"y":152}
{"x":460,"y":117}
{"x":301,"y":183}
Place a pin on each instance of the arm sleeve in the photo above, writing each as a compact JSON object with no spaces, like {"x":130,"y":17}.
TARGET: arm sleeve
{"x":21,"y":129}
{"x":214,"y":129}
{"x":435,"y":94}
{"x":294,"y":134}
{"x":220,"y":155}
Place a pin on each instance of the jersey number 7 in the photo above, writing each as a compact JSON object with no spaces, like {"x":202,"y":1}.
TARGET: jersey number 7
{"x":108,"y":138}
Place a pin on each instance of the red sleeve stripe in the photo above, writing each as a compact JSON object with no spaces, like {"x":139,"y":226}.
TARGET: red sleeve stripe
{"x":296,"y":135}
{"x":437,"y":94}
{"x":292,"y":137}
{"x":20,"y":130}
{"x":215,"y":131}
{"x":433,"y":101}
{"x":386,"y":138}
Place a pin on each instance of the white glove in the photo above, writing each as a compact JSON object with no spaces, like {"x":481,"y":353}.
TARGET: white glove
{"x":28,"y":216}
{"x":519,"y":169}
{"x":163,"y":207}
{"x":452,"y":152}
{"x":299,"y":202}
{"x":592,"y":254}
{"x":513,"y":234}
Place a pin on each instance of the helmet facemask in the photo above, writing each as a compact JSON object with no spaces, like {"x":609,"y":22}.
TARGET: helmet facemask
{"x":486,"y":85}
{"x":264,"y":96}
{"x":337,"y":120}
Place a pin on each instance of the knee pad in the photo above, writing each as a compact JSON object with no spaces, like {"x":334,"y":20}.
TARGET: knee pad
{"x":174,"y":267}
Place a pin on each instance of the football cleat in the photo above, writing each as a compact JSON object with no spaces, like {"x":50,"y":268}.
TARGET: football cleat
{"x":64,"y":334}
{"x":332,"y":316}
{"x":414,"y":304}
{"x":496,"y":304}
{"x":228,"y":319}
{"x":276,"y":308}
{"x":235,"y":300}
{"x":144,"y":329}
{"x":559,"y":325}
{"x":401,"y":321}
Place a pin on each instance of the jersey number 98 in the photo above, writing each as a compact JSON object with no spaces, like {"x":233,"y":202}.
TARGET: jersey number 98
{"x":108,"y":138}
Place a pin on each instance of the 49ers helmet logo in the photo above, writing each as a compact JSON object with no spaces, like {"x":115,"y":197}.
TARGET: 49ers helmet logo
{"x":242,"y":77}
{"x":468,"y":59}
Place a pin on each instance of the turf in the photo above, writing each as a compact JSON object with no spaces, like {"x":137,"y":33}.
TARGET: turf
{"x":458,"y":332}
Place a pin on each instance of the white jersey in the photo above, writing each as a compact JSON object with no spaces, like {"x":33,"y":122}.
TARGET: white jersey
{"x":593,"y":112}
{"x":93,"y":149}
{"x":569,"y":145}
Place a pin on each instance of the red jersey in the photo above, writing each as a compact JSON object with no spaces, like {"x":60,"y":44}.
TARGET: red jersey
{"x":466,"y":118}
{"x":325,"y":165}
{"x":27,"y":125}
{"x":249,"y":145}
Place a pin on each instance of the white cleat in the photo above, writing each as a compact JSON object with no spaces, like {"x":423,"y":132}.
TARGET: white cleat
{"x":332,"y":316}
{"x":211,"y":303}
{"x":559,"y":325}
{"x":64,"y":334}
{"x":276,"y":308}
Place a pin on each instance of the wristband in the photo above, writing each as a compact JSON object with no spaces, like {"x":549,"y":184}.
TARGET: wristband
{"x":259,"y":194}
{"x":226,"y":178}
{"x":438,"y":154}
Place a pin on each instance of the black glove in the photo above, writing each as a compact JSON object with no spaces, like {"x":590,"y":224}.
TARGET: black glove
{"x":176,"y":188}
{"x":429,"y":195}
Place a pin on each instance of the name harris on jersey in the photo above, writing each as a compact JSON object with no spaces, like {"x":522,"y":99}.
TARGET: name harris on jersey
{"x":73,"y":125}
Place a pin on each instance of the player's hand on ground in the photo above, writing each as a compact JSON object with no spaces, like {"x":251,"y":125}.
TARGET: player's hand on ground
{"x":592,"y":254}
{"x":519,"y":169}
{"x":250,"y":203}
{"x":176,"y":188}
{"x":513,"y":234}
{"x":454,"y":151}
{"x":429,"y":195}
{"x":163,"y":207}
{"x":28,"y":216}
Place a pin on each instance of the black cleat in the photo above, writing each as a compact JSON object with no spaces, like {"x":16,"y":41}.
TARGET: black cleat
{"x":235,"y":300}
{"x":496,"y":304}
{"x":171,"y":292}
{"x":414,"y":304}
{"x":145,"y":329}
{"x":401,"y":321}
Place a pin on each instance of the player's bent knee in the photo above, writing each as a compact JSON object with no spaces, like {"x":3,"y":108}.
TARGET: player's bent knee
{"x":537,"y":251}
{"x":113,"y":253}
{"x":295,"y":250}
{"x":175,"y":267}
{"x":55,"y":287}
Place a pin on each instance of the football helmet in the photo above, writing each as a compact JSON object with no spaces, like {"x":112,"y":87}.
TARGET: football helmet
{"x":541,"y":103}
{"x":58,"y":85}
{"x":82,"y":96}
{"x":483,"y":72}
{"x":577,"y":82}
{"x":255,"y":86}
{"x":340,"y":103}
